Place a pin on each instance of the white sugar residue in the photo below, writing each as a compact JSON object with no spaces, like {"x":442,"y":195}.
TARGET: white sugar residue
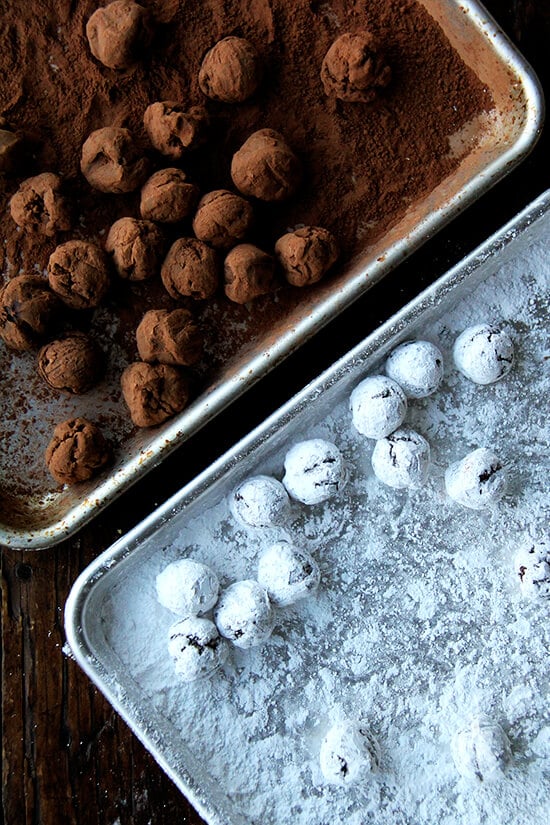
{"x":417,"y":627}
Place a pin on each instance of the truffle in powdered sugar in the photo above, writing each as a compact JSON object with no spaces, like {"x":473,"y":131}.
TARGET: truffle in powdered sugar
{"x":484,"y":353}
{"x":287,"y":573}
{"x":349,"y":753}
{"x":196,"y":648}
{"x":260,"y":501}
{"x":417,"y":366}
{"x":401,"y":459}
{"x":187,"y":587}
{"x":481,"y":750}
{"x":314,"y":471}
{"x":378,"y":406}
{"x":243,"y":614}
{"x":477,"y":481}
{"x":533,"y":568}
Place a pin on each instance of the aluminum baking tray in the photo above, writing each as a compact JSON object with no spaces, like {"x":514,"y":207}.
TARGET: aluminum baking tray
{"x":46,"y":515}
{"x":418,"y":620}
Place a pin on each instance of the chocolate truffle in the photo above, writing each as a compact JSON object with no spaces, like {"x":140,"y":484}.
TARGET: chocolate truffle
{"x":477,"y":481}
{"x":248,"y":272}
{"x":168,"y":197}
{"x":112,"y":162}
{"x":172,"y":129}
{"x":265,"y":167}
{"x":378,"y":406}
{"x":73,"y":364}
{"x":77,"y":451}
{"x":169,"y":337}
{"x":417,"y":366}
{"x":153,"y":392}
{"x":349,"y":753}
{"x":223,"y":219}
{"x":353,"y":70}
{"x":39,"y":205}
{"x":287,"y":573}
{"x":187,"y":587}
{"x":484,"y":353}
{"x":118,"y":33}
{"x":78,"y":271}
{"x":196,"y":648}
{"x":28,"y":311}
{"x":136,"y":248}
{"x":231,"y":71}
{"x":532,"y":565}
{"x":10,"y":151}
{"x":191,"y":269}
{"x":243,"y":614}
{"x":260,"y":501}
{"x":481,"y":750}
{"x":402,"y":459}
{"x":306,"y":254}
{"x":315,"y":471}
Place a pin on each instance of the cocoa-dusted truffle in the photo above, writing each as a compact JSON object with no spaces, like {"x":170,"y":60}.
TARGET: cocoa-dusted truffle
{"x":265,"y":167}
{"x":39,"y":205}
{"x":73,"y":364}
{"x":10,"y":150}
{"x":112,"y":162}
{"x":168,"y":197}
{"x":231,"y":71}
{"x":153,"y":392}
{"x":191,"y":269}
{"x":28,"y":311}
{"x":223,"y":219}
{"x":306,"y":254}
{"x":77,"y":451}
{"x":248,"y":273}
{"x":136,"y":248}
{"x":353,"y":69}
{"x":78,"y":271}
{"x":169,"y":337}
{"x":117,"y":33}
{"x":172,"y":129}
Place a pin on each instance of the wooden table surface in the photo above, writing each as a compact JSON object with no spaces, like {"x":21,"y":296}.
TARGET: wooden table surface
{"x":67,"y":756}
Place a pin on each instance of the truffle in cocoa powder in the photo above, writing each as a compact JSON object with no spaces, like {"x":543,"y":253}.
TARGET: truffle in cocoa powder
{"x":78,"y":271}
{"x":306,"y":254}
{"x":172,"y":129}
{"x":265,"y":167}
{"x":77,"y":451}
{"x":231,"y":71}
{"x":169,"y":337}
{"x":10,"y":151}
{"x":248,"y":273}
{"x":353,"y":69}
{"x":39,"y":205}
{"x":136,"y":248}
{"x":28,"y":311}
{"x":223,"y":219}
{"x":73,"y":364}
{"x":112,"y":162}
{"x":118,"y":33}
{"x":153,"y":392}
{"x":191,"y":269}
{"x":168,"y":197}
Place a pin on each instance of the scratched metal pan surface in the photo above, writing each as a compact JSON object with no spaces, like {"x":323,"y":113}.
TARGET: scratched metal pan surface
{"x":43,"y":515}
{"x":126,"y":656}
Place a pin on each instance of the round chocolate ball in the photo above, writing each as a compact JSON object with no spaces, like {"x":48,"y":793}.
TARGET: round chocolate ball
{"x":231,"y":71}
{"x":136,"y":248}
{"x":28,"y":311}
{"x":111,"y":161}
{"x":353,"y":69}
{"x":153,"y":392}
{"x":78,"y":271}
{"x":191,"y":269}
{"x":40,"y":206}
{"x":77,"y":451}
{"x":172,"y":129}
{"x":265,"y":167}
{"x":73,"y":364}
{"x":306,"y":254}
{"x":223,"y":219}
{"x":119,"y":33}
{"x":168,"y":197}
{"x":248,"y":272}
{"x":169,"y":337}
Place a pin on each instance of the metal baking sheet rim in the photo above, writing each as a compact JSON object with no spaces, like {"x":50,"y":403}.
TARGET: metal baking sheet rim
{"x":75,"y":608}
{"x":217,"y":399}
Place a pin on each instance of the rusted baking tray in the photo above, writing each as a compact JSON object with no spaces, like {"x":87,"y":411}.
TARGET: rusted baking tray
{"x":38,"y":514}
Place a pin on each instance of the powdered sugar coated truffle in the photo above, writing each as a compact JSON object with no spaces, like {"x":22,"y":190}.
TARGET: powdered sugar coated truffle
{"x":484,"y":353}
{"x":287,"y":573}
{"x":314,"y":471}
{"x":196,"y":648}
{"x":244,"y":615}
{"x":477,"y":481}
{"x":348,"y":753}
{"x":187,"y":587}
{"x":401,"y":459}
{"x":417,"y":366}
{"x":533,"y":568}
{"x":378,"y":406}
{"x":481,"y":750}
{"x":260,"y":501}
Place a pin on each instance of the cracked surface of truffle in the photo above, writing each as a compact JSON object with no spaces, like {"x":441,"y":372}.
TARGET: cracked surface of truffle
{"x":29,"y":311}
{"x":173,"y":129}
{"x":78,"y":271}
{"x":77,"y":451}
{"x":73,"y":364}
{"x":306,"y":254}
{"x":153,"y":392}
{"x":168,"y":197}
{"x":196,"y":648}
{"x":477,"y":481}
{"x":169,"y":337}
{"x":243,"y":614}
{"x":315,"y":471}
{"x":248,"y":273}
{"x":40,"y":206}
{"x":223,"y":219}
{"x":136,"y":248}
{"x":378,"y":406}
{"x":112,"y":162}
{"x":265,"y":167}
{"x":192,"y":269}
{"x":353,"y":69}
{"x":118,"y":33}
{"x":402,"y":459}
{"x":484,"y":353}
{"x":348,"y":753}
{"x":231,"y":70}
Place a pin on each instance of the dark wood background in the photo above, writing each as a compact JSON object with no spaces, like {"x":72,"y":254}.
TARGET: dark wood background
{"x":67,"y":757}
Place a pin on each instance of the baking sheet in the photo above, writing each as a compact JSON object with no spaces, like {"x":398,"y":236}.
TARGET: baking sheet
{"x":45,"y":515}
{"x":418,"y":621}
